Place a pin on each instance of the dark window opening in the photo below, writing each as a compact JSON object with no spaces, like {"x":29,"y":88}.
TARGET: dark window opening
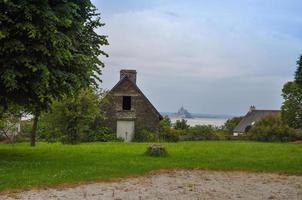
{"x":126,"y":103}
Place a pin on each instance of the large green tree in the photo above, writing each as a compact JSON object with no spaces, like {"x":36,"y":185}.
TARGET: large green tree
{"x":48,"y":49}
{"x":291,"y":110}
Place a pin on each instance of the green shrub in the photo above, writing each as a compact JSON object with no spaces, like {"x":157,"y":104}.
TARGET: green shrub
{"x":144,"y":136}
{"x":271,"y":128}
{"x":229,"y":126}
{"x":168,"y":134}
{"x":166,"y":122}
{"x":2,"y":138}
{"x":201,"y":132}
{"x":26,"y":127}
{"x":71,"y":118}
{"x":101,"y":134}
{"x":181,"y":124}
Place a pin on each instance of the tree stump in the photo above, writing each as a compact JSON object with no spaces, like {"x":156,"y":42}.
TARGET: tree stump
{"x":157,"y":150}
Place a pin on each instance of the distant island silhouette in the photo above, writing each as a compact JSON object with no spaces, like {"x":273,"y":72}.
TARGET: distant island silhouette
{"x":183,"y":113}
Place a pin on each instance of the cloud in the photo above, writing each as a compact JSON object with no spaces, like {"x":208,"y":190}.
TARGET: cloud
{"x":203,"y":55}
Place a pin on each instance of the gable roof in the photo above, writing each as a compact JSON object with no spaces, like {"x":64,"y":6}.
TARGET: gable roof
{"x":139,"y":91}
{"x":251,"y":117}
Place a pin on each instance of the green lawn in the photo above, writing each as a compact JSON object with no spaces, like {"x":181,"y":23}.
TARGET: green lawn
{"x":50,"y":164}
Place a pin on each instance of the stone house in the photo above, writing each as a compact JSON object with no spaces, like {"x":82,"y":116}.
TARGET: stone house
{"x":250,"y":118}
{"x":127,"y":110}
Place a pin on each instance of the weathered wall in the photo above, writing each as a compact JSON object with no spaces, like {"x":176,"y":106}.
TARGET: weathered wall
{"x":141,"y":111}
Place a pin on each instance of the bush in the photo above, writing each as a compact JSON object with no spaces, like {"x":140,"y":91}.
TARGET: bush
{"x":168,"y":134}
{"x":229,"y":126}
{"x":166,"y":122}
{"x":157,"y":150}
{"x":181,"y":124}
{"x":201,"y":132}
{"x":26,"y":127}
{"x":101,"y":134}
{"x":271,"y":128}
{"x":144,"y":136}
{"x":71,"y":118}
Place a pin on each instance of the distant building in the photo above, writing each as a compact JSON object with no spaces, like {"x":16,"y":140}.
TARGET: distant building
{"x":250,"y":118}
{"x":128,"y":110}
{"x":183,"y":113}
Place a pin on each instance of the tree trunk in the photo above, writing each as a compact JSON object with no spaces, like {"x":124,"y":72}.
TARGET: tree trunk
{"x":34,"y":130}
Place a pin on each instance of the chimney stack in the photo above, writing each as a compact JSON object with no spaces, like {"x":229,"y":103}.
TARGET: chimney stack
{"x":131,"y":74}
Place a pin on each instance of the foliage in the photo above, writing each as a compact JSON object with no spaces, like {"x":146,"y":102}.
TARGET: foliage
{"x":157,"y":150}
{"x":9,"y":123}
{"x":55,"y":163}
{"x":181,"y":124}
{"x":291,"y":109}
{"x":26,"y":126}
{"x":229,"y":126}
{"x":201,"y":132}
{"x":271,"y":128}
{"x":49,"y":49}
{"x":298,"y":74}
{"x":100,"y":134}
{"x":73,"y":117}
{"x":144,"y":136}
{"x":168,"y":134}
{"x":166,"y":122}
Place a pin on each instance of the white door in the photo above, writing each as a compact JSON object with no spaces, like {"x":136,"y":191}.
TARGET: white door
{"x":125,"y":130}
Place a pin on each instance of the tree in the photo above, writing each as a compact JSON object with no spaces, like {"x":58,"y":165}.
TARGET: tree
{"x":229,"y":126}
{"x":72,"y":117}
{"x":49,"y":49}
{"x":181,"y":124}
{"x":272,"y":128}
{"x":166,"y":122}
{"x":298,"y":75}
{"x":291,"y":110}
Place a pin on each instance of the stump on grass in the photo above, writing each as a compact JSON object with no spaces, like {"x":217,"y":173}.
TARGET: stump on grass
{"x":156,"y":150}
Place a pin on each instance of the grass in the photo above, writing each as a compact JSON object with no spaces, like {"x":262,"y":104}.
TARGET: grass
{"x":23,"y":167}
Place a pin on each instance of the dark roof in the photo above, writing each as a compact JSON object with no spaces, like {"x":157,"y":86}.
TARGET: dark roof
{"x":139,"y":91}
{"x":251,"y":117}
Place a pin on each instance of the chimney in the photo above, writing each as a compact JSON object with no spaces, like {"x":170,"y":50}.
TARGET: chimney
{"x":131,"y":74}
{"x":252,"y":108}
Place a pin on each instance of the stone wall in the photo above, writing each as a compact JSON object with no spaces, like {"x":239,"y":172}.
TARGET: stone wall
{"x":142,"y":113}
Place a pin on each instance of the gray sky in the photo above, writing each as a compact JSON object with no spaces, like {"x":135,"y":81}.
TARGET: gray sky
{"x":215,"y":57}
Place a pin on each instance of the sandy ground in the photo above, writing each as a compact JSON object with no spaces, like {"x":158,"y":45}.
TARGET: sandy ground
{"x":180,"y":184}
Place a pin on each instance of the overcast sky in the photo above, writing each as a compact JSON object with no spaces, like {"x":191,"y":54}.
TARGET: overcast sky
{"x":215,"y":57}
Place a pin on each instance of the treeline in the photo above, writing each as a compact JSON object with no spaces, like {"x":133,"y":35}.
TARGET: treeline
{"x":71,"y":120}
{"x":78,"y":118}
{"x":269,"y":129}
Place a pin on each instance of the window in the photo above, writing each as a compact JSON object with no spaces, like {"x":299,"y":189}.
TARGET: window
{"x":126,"y":103}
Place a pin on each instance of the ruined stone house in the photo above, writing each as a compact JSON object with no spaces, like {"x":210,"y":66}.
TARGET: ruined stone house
{"x":128,"y":110}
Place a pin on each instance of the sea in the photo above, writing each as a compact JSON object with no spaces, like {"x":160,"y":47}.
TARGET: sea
{"x":202,"y":121}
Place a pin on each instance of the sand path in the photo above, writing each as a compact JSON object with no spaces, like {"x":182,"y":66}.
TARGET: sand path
{"x":179,"y":184}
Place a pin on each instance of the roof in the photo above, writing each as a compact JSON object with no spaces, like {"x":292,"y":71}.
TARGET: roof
{"x":140,"y":92}
{"x":251,"y":117}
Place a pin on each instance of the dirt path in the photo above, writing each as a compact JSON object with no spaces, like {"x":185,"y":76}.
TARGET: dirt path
{"x":181,"y":184}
